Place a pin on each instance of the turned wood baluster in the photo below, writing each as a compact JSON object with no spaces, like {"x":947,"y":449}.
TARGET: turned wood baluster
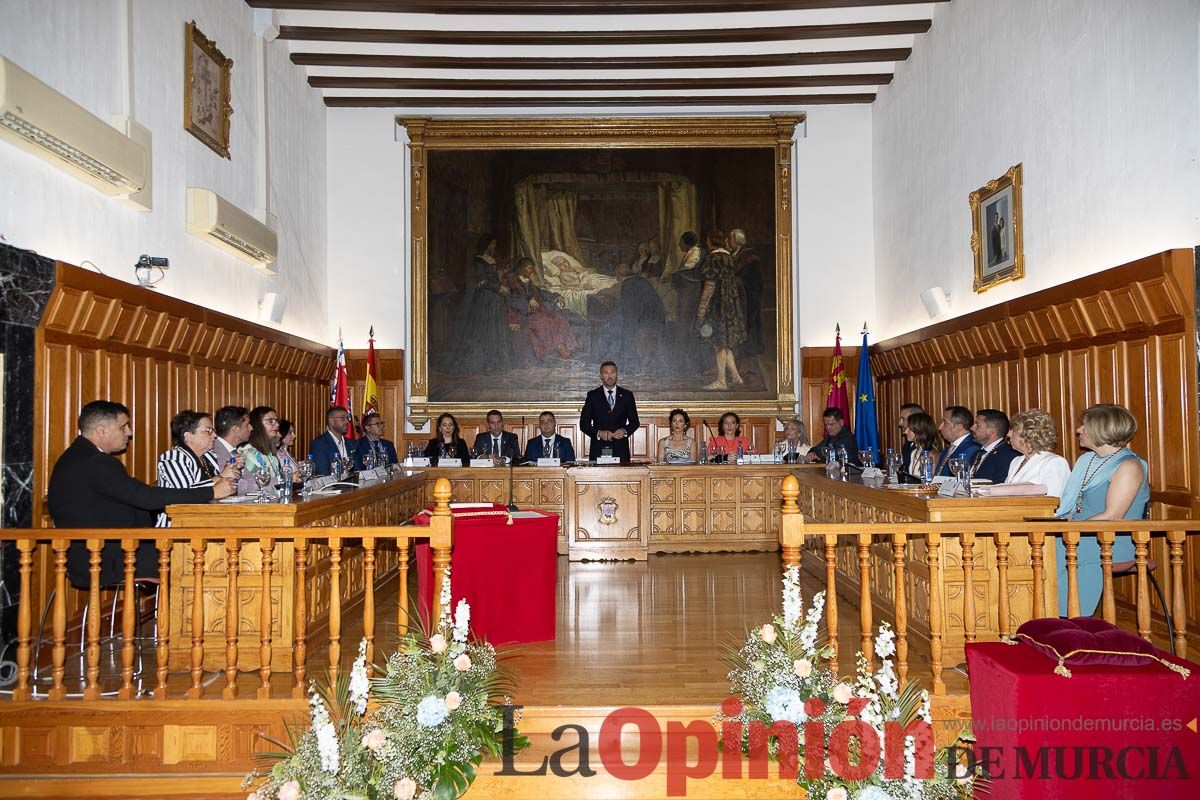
{"x":402,"y":599}
{"x":335,"y":607}
{"x":300,"y":621}
{"x":265,"y":620}
{"x":91,"y":689}
{"x":233,"y":616}
{"x":1141,"y":548}
{"x":867,"y":642}
{"x":368,"y":543}
{"x":1175,"y":540}
{"x":58,"y":653}
{"x":967,"y":543}
{"x":1108,"y":600}
{"x":1071,"y":549}
{"x":1002,"y":610}
{"x":129,"y":613}
{"x":197,"y":653}
{"x":933,"y":546}
{"x":162,"y":619}
{"x":440,"y":528}
{"x":791,"y":525}
{"x":831,"y":613}
{"x":900,"y":600}
{"x":24,"y":619}
{"x":1037,"y":549}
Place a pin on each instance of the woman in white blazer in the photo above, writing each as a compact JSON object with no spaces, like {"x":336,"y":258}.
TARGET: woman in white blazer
{"x":1033,"y":434}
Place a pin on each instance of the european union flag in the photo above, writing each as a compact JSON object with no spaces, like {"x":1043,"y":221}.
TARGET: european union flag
{"x":866,"y":426}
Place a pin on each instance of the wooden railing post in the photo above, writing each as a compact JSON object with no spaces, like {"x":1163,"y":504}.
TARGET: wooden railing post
{"x":831,"y":598}
{"x":900,"y":601}
{"x":440,"y":527}
{"x":1141,"y":547}
{"x":1108,"y":600}
{"x":162,"y":619}
{"x":265,"y":618}
{"x":933,"y":545}
{"x":233,"y":615}
{"x":866,"y":623}
{"x":1003,"y":625}
{"x":129,"y":614}
{"x":368,"y":544}
{"x":335,"y":608}
{"x":791,"y":523}
{"x":967,"y":543}
{"x":58,"y":614}
{"x":402,"y":591}
{"x":300,"y":618}
{"x":1037,"y":556}
{"x":197,"y":653}
{"x":91,"y":690}
{"x":1071,"y":550}
{"x":24,"y":618}
{"x":1175,"y":542}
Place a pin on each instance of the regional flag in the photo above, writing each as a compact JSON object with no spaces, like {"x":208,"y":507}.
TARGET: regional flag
{"x":866,"y":424}
{"x":371,"y":384}
{"x":837,"y":397}
{"x":339,"y":390}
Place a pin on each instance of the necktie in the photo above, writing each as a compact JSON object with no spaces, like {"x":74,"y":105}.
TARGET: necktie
{"x":496,"y":445}
{"x":612,"y":402}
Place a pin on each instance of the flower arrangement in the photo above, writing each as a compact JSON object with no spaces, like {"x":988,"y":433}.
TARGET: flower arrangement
{"x":434,"y":717}
{"x":777,"y":676}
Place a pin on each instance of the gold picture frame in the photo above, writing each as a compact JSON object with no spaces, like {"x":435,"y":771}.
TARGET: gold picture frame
{"x":597,"y":135}
{"x":207,"y":104}
{"x":997,"y":231}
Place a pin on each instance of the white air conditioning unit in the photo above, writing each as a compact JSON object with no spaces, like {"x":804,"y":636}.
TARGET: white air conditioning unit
{"x":49,"y":125}
{"x":221,"y":223}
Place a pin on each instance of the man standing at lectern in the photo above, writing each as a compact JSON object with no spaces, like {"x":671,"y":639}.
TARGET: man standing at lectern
{"x":609,"y":416}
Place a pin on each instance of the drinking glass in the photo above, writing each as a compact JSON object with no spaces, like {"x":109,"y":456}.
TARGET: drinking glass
{"x":347,"y":467}
{"x":263,"y":478}
{"x":305,"y":469}
{"x":958,"y":468}
{"x":780,"y":452}
{"x":369,"y":460}
{"x":867,"y":455}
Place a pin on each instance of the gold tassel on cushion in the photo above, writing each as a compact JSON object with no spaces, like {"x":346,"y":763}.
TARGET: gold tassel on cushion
{"x":1061,"y":669}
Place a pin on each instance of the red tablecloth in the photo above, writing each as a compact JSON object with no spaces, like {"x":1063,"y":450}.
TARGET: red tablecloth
{"x":1123,"y":730}
{"x":508,"y":574}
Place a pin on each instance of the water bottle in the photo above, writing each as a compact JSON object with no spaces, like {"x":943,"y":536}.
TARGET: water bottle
{"x":833,"y":469}
{"x":741,"y":456}
{"x":844,"y":462}
{"x":704,"y":452}
{"x":893,"y":466}
{"x":285,"y":490}
{"x":927,"y":467}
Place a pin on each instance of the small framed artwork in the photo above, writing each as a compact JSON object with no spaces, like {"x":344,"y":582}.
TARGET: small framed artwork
{"x":997,"y":231}
{"x":206,"y":101}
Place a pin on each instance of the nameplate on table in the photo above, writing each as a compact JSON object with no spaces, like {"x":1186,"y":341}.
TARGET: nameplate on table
{"x":482,"y":462}
{"x":321,"y":481}
{"x":549,"y":462}
{"x":872,"y":472}
{"x":416,"y":462}
{"x":948,"y":489}
{"x":607,"y":460}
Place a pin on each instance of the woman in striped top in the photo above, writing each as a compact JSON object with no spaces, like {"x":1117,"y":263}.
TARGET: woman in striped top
{"x":191,"y":463}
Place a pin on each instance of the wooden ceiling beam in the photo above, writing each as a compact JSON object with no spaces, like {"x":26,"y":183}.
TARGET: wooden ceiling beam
{"x":878,"y":55}
{"x":568,"y":84}
{"x":582,"y":7}
{"x":593,"y":38}
{"x":586,"y":102}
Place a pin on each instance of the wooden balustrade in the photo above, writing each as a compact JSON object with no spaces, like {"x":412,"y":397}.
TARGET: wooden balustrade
{"x":198,"y":540}
{"x":798,"y":535}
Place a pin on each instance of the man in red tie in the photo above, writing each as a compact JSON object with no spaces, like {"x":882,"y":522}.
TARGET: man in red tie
{"x":609,"y":416}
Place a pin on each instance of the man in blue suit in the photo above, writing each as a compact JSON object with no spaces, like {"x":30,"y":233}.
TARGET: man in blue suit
{"x":373,"y":442}
{"x":995,"y":453}
{"x":549,"y":444}
{"x":609,"y":415}
{"x":956,"y":430}
{"x":332,"y":443}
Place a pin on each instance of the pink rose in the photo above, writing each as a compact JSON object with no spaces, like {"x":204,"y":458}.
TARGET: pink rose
{"x":836,"y":793}
{"x":405,"y":789}
{"x":374,"y":740}
{"x":453,"y":700}
{"x":767,"y":632}
{"x":462,"y":663}
{"x":290,"y":791}
{"x":842,"y":693}
{"x":803,"y":668}
{"x":437,"y":643}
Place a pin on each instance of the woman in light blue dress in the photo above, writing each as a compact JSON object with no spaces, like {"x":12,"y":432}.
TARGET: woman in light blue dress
{"x":1110,"y":482}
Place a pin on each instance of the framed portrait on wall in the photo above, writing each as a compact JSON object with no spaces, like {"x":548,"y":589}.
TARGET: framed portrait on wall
{"x":206,"y":100}
{"x":542,"y":248}
{"x":997,"y":231}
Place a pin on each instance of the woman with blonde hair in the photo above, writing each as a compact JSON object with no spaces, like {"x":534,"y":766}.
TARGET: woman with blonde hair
{"x":1109,"y":483}
{"x":1033,"y":434}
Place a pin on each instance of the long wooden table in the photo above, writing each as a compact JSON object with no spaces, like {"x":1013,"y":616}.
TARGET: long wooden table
{"x":628,"y":511}
{"x":389,"y":502}
{"x":853,"y":501}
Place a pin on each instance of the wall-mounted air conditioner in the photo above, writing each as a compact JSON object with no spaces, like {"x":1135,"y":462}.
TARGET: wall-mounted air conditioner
{"x":222,"y":224}
{"x":45,"y":123}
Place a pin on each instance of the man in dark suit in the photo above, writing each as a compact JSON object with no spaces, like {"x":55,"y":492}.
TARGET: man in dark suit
{"x":332,"y":443}
{"x":496,"y":442}
{"x":956,"y":430}
{"x":609,"y":415}
{"x":906,"y":447}
{"x":89,"y":488}
{"x":995,"y":453}
{"x":232,"y":426}
{"x":549,"y":444}
{"x":373,"y":442}
{"x":837,"y":436}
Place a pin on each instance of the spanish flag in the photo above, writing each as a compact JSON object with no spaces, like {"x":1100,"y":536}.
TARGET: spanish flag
{"x":371,"y":384}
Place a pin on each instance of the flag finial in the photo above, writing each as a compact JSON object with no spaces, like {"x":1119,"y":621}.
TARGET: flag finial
{"x":864,"y":330}
{"x":837,"y":328}
{"x":371,"y":332}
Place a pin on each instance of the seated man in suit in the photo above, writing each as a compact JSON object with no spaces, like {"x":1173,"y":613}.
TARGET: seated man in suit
{"x":906,"y":447}
{"x":995,"y":453}
{"x":89,"y":488}
{"x":609,"y":416}
{"x":232,"y":426}
{"x":837,"y":436}
{"x":956,"y":430}
{"x":373,"y":442}
{"x":549,"y":444}
{"x":496,"y":442}
{"x":332,"y":443}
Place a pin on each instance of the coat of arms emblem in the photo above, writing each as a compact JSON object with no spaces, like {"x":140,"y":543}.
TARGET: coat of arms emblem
{"x":608,"y":511}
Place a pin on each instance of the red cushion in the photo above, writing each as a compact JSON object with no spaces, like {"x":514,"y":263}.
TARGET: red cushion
{"x":1086,"y":641}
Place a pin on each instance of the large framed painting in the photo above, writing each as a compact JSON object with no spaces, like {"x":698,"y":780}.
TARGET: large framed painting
{"x":206,"y":100}
{"x":542,"y":248}
{"x":997,"y":231}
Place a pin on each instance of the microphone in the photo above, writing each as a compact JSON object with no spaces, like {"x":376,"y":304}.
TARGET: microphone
{"x":512,"y":462}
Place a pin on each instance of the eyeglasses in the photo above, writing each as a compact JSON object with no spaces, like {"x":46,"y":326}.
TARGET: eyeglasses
{"x":208,"y":431}
{"x":270,"y":420}
{"x":377,"y":424}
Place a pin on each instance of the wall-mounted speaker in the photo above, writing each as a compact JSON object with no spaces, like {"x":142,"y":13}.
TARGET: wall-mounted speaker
{"x":270,"y":309}
{"x":937,"y":301}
